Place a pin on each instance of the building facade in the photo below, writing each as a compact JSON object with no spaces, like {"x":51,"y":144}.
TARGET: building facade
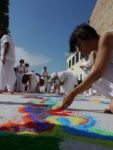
{"x":73,"y":62}
{"x":102,"y":16}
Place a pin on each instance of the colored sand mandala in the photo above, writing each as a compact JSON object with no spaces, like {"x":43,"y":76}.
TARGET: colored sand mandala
{"x":41,"y":117}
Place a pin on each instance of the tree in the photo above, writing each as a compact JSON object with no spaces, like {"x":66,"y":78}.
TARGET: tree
{"x":4,"y":17}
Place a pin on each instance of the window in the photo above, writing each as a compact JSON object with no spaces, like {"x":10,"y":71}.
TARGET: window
{"x":81,"y":56}
{"x":69,"y":63}
{"x":77,"y":57}
{"x":73,"y":60}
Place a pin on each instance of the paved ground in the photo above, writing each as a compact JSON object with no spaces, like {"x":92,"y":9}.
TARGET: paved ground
{"x":84,"y":118}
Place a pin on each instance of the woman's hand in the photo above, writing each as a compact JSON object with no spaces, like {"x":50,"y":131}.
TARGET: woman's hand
{"x":68,"y":99}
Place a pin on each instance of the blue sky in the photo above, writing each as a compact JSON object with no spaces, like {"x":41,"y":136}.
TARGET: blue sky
{"x":41,"y":29}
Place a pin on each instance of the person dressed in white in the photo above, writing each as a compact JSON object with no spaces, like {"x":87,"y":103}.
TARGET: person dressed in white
{"x":33,"y":81}
{"x":44,"y":75}
{"x":104,"y":85}
{"x":20,"y":71}
{"x":86,"y":39}
{"x":26,"y":67}
{"x":66,"y":79}
{"x":86,"y":67}
{"x":49,"y":85}
{"x":7,"y":74}
{"x":55,"y":88}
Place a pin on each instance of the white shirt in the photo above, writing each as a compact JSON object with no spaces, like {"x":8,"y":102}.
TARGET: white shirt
{"x":44,"y":73}
{"x":34,"y":80}
{"x":69,"y":80}
{"x":11,"y":52}
{"x":26,"y":69}
{"x":21,"y":69}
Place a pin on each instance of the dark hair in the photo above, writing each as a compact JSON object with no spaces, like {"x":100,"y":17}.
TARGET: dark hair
{"x":4,"y":30}
{"x":25,"y":79}
{"x":15,"y":69}
{"x":26,"y":64}
{"x":21,"y":61}
{"x":41,"y":82}
{"x":83,"y":32}
{"x":45,"y":67}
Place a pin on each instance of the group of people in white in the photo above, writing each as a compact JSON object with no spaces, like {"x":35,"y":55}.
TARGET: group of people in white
{"x":17,"y":78}
{"x":58,"y":83}
{"x":85,"y":39}
{"x":98,"y":74}
{"x":20,"y":79}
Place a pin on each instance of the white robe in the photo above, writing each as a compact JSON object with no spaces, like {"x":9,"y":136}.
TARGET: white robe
{"x":69,"y":80}
{"x":20,"y":71}
{"x":104,"y":85}
{"x":44,"y":75}
{"x":86,"y":70}
{"x":34,"y":81}
{"x":7,"y":74}
{"x":87,"y":65}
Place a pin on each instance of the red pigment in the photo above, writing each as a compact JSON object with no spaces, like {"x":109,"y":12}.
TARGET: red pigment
{"x":59,"y":112}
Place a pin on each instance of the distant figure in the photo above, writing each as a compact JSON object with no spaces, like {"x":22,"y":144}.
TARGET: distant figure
{"x":26,"y":67}
{"x":49,"y":85}
{"x":32,"y":81}
{"x":44,"y":75}
{"x":20,"y":71}
{"x":7,"y":74}
{"x":56,"y":86}
{"x":66,"y":79}
{"x":85,"y":39}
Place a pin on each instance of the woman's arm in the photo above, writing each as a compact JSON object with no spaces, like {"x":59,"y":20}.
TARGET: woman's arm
{"x":105,"y":48}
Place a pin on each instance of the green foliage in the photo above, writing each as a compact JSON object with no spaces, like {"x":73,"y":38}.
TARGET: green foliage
{"x":4,"y":17}
{"x":29,"y":142}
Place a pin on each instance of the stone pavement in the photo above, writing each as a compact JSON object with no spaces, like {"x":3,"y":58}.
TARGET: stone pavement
{"x":84,"y":118}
